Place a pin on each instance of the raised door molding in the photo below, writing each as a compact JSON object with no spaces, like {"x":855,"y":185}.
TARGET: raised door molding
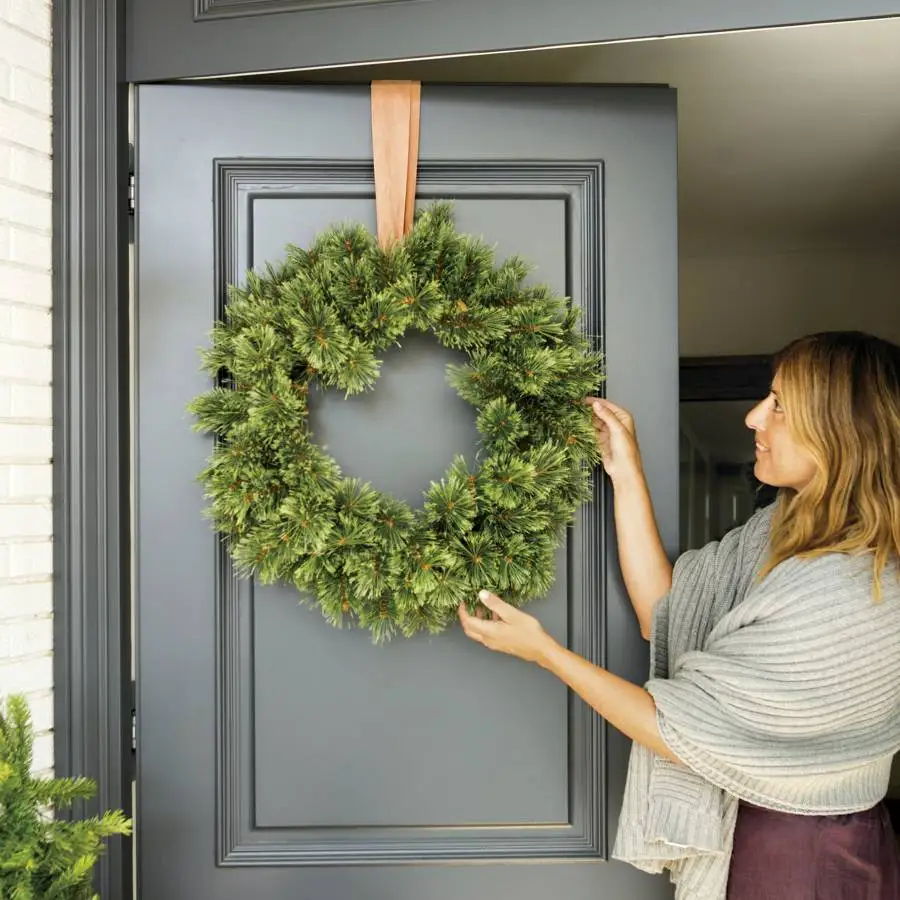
{"x":241,"y":842}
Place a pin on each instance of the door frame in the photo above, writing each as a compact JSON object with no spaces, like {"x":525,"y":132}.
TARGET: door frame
{"x":91,"y":411}
{"x":92,"y":407}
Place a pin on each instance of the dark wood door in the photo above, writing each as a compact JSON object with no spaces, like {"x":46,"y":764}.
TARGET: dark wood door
{"x":187,"y":38}
{"x":279,"y":757}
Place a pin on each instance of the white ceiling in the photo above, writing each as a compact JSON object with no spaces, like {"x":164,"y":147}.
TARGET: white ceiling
{"x":789,"y":170}
{"x":784,"y":135}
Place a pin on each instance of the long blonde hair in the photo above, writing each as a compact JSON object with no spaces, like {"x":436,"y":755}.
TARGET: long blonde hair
{"x":841,"y":395}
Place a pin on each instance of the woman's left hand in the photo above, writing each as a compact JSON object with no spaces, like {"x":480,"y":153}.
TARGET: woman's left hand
{"x":506,"y":629}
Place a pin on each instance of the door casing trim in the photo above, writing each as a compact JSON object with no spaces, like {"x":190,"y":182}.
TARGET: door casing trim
{"x":91,"y":527}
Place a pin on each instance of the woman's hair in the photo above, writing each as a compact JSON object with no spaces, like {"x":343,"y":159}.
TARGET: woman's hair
{"x":841,"y":395}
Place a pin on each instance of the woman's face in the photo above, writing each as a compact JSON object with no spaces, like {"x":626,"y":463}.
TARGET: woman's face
{"x":780,"y":460}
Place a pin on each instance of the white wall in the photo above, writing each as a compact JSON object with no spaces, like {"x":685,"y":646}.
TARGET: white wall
{"x":736,"y":301}
{"x":26,"y":640}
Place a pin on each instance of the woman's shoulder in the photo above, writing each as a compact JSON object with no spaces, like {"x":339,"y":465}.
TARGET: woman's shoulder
{"x":834,"y":580}
{"x":826,"y":603}
{"x":857,"y":567}
{"x":758,"y":526}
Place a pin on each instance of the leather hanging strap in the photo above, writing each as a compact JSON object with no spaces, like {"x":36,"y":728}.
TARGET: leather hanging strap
{"x":395,"y":151}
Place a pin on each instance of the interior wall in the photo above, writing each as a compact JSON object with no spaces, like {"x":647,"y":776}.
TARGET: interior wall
{"x":750,"y":301}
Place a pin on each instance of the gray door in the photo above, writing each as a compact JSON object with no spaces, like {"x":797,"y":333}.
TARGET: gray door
{"x":279,"y":757}
{"x":187,"y":38}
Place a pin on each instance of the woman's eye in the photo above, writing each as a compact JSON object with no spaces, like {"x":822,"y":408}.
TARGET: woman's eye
{"x":776,"y":406}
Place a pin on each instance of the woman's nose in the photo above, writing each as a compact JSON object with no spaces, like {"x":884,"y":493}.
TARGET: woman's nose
{"x":755,"y":419}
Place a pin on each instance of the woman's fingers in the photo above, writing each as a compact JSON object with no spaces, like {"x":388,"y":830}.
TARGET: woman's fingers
{"x":609,"y":420}
{"x":500,"y":609}
{"x":475,"y":627}
{"x":620,"y":411}
{"x":621,"y":415}
{"x":488,"y":615}
{"x":469,"y":623}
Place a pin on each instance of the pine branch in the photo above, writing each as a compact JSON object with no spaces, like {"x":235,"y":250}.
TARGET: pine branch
{"x":40,"y":857}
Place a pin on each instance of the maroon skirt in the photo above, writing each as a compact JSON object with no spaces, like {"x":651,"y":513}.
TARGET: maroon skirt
{"x":780,"y":856}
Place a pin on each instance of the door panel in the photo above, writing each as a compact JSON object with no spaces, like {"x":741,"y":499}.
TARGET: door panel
{"x":400,"y":438}
{"x":187,"y":38}
{"x":278,"y":756}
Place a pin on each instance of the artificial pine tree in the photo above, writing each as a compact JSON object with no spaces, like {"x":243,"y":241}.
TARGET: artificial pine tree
{"x":42,"y":858}
{"x":284,"y":506}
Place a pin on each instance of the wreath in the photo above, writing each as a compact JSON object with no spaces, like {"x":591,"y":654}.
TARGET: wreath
{"x":364,"y":557}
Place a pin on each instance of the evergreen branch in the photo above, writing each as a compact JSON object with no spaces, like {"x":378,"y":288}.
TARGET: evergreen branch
{"x":41,"y":857}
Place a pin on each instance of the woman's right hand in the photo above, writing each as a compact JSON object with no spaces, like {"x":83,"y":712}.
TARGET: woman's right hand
{"x":616,"y":438}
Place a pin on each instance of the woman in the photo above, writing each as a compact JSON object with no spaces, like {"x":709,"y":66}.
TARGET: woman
{"x":763,"y":739}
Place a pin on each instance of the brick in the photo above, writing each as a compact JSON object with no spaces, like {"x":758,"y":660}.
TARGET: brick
{"x":41,"y":706}
{"x":6,"y":161}
{"x":4,"y":241}
{"x":29,"y":401}
{"x":5,"y":549}
{"x":43,"y":752}
{"x":30,"y":559}
{"x":26,"y":51}
{"x":31,"y":324}
{"x":31,"y":16}
{"x":31,"y":90}
{"x":26,"y":441}
{"x":24,"y":127}
{"x":22,"y":676}
{"x":26,"y":637}
{"x":25,"y":324}
{"x":27,"y":363}
{"x":24,"y":207}
{"x":23,"y":285}
{"x":31,"y":248}
{"x":32,"y":598}
{"x":31,"y":481}
{"x":28,"y":167}
{"x":25,"y":520}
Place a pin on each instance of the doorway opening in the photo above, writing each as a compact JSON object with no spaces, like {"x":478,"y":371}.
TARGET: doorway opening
{"x":789,"y":214}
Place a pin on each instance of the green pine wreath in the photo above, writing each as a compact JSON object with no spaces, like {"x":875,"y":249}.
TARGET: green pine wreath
{"x":364,"y":557}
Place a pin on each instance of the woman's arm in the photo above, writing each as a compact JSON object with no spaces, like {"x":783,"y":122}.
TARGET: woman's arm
{"x":624,"y":705}
{"x":645,"y":567}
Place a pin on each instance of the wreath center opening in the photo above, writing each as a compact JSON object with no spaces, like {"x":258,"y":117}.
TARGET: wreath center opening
{"x":403,"y":434}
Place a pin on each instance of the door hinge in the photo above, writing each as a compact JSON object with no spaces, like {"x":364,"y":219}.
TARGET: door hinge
{"x":132,"y":180}
{"x":133,"y":718}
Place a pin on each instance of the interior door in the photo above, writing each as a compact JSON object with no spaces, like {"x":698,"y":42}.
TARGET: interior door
{"x":281,"y":758}
{"x":187,"y":38}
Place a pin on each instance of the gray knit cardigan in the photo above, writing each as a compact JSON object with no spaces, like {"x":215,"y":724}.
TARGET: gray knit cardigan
{"x":783,"y":692}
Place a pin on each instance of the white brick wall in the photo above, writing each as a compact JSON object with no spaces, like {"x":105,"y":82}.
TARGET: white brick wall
{"x":26,"y":624}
